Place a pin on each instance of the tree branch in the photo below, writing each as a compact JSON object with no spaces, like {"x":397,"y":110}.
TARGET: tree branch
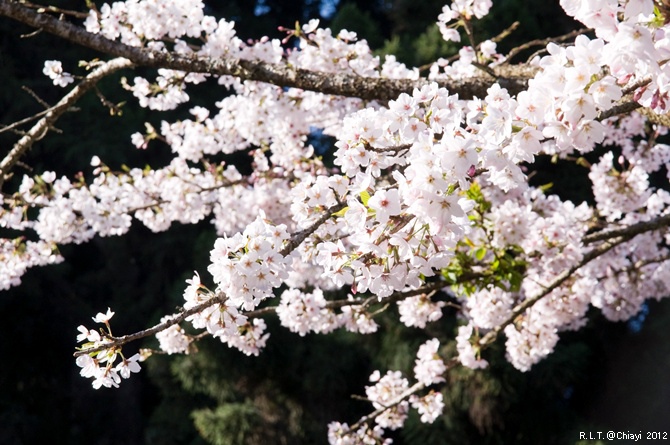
{"x":560,"y":279}
{"x":514,"y":77}
{"x":300,"y":236}
{"x":614,"y":237}
{"x":418,"y":386}
{"x":40,"y":129}
{"x":181,"y":316}
{"x":623,"y":107}
{"x":545,"y":42}
{"x":220,"y":299}
{"x":611,"y":238}
{"x":628,"y":231}
{"x":293,"y":243}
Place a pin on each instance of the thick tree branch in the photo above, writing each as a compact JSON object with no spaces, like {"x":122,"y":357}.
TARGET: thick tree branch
{"x":628,"y":231}
{"x":40,"y":129}
{"x":514,"y":77}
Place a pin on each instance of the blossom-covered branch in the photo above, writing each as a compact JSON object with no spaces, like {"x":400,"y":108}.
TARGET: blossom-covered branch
{"x":512,"y":77}
{"x":428,"y":186}
{"x":547,"y":289}
{"x":220,"y":298}
{"x":115,"y":342}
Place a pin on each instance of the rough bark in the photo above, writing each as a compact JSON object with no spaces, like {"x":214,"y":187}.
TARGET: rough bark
{"x":512,"y":77}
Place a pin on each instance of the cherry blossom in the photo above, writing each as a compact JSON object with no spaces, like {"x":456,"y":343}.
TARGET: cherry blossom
{"x":54,"y":69}
{"x":428,"y":203}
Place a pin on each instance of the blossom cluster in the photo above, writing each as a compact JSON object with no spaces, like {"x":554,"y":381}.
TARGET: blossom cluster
{"x":72,"y":211}
{"x":101,"y":366}
{"x":308,"y":312}
{"x":428,"y":189}
{"x":245,"y":268}
{"x":342,"y":434}
{"x":384,"y":394}
{"x":387,"y":395}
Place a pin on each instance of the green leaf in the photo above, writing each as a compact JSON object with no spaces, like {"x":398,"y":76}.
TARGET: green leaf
{"x":480,"y":253}
{"x":341,"y":212}
{"x":546,"y":187}
{"x":495,"y":265}
{"x":365,"y":197}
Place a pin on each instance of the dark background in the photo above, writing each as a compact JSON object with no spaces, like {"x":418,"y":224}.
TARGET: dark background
{"x":608,"y":376}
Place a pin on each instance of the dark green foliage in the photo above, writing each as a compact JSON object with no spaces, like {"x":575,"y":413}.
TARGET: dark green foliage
{"x":420,"y":50}
{"x":288,"y":395}
{"x":351,"y":18}
{"x":230,"y":424}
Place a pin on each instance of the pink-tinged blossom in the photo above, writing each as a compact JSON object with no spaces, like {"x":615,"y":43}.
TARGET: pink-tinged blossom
{"x":618,"y":192}
{"x":128,"y":366}
{"x":173,"y":340}
{"x":419,"y":310}
{"x":54,"y":70}
{"x":524,"y":145}
{"x":467,"y":354}
{"x":605,"y":92}
{"x":250,"y":338}
{"x":87,"y":334}
{"x":385,"y":203}
{"x":429,"y":367}
{"x":386,"y":390}
{"x":103,"y":317}
{"x":489,"y":307}
{"x":356,"y":319}
{"x":586,"y":54}
{"x":430,"y":406}
{"x":529,"y":341}
{"x":306,"y":312}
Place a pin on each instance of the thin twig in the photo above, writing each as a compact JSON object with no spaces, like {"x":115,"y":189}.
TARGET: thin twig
{"x":504,"y":34}
{"x":116,"y":342}
{"x":300,"y":236}
{"x":23,"y":121}
{"x":54,"y":9}
{"x":42,"y":127}
{"x":543,"y":42}
{"x":418,"y":386}
{"x":36,"y":97}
